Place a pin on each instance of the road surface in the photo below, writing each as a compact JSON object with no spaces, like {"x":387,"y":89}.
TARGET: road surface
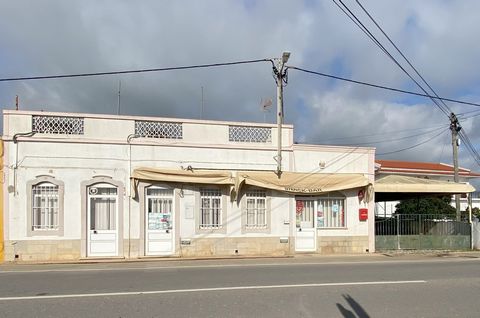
{"x":378,"y":286}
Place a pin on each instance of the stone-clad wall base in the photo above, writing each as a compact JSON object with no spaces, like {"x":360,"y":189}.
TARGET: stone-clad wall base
{"x":251,"y":246}
{"x":68,"y":250}
{"x":42,"y":250}
{"x":342,"y":244}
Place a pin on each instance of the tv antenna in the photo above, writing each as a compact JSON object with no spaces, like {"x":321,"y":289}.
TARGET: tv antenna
{"x":265,"y":105}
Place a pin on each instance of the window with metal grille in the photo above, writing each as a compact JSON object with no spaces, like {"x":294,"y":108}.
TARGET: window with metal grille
{"x":45,"y":207}
{"x":249,"y":134}
{"x":210,"y":209}
{"x":330,"y":212}
{"x":256,"y":209}
{"x":158,"y":129}
{"x":57,"y":125}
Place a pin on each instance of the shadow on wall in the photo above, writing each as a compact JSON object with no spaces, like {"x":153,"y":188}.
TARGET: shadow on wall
{"x":358,"y":311}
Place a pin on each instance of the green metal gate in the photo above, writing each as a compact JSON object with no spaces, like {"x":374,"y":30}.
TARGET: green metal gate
{"x":421,"y":232}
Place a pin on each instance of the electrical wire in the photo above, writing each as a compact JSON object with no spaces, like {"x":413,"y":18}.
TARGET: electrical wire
{"x":27,"y":78}
{"x":382,"y":133}
{"x":395,"y":139}
{"x":436,"y":100}
{"x":414,"y":146}
{"x":463,"y":136}
{"x":401,"y":53}
{"x":469,"y":112}
{"x":444,"y":109}
{"x":380,"y":86}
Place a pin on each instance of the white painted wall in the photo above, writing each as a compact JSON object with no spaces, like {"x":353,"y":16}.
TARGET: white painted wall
{"x":103,"y":151}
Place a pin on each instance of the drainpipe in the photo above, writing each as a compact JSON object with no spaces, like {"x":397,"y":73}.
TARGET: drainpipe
{"x":129,"y":139}
{"x":15,"y":168}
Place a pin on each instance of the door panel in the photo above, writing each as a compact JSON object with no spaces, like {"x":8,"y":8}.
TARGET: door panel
{"x":306,"y":234}
{"x":159,"y":221}
{"x":102,"y":221}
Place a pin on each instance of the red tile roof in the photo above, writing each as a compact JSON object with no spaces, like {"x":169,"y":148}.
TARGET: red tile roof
{"x":412,"y":167}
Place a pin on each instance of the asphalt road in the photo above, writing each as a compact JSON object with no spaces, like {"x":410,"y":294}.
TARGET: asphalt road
{"x":416,"y":286}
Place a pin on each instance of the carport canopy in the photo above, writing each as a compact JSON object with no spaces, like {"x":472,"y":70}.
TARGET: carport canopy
{"x":397,"y":187}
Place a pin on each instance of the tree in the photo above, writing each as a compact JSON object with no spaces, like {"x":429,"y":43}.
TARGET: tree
{"x":476,"y":212}
{"x":426,"y":205}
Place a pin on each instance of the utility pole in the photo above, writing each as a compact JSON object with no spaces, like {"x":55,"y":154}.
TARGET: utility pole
{"x":280,"y":75}
{"x":455,"y":128}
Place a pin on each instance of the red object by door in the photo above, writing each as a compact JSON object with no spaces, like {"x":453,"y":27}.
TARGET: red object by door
{"x":363,"y":214}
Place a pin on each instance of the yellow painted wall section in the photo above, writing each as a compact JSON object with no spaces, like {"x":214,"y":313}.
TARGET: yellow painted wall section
{"x":2,"y":179}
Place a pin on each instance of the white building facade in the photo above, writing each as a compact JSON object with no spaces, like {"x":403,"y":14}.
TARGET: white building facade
{"x":79,"y":186}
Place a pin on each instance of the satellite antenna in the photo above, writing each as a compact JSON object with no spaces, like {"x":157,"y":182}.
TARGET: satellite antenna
{"x":265,"y":105}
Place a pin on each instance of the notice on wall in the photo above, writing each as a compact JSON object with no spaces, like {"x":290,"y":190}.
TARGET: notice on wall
{"x":159,"y":221}
{"x":154,"y":221}
{"x":320,"y":217}
{"x":335,"y":209}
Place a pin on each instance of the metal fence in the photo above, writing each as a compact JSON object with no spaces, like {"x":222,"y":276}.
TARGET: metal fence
{"x":421,"y":231}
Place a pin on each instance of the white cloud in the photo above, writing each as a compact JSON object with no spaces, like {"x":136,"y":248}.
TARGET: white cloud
{"x":57,"y":37}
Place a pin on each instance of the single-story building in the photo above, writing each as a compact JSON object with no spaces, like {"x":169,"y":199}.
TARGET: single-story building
{"x":82,"y":186}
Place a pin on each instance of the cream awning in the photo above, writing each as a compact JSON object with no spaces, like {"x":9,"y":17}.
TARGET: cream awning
{"x":184,"y":176}
{"x":290,"y":182}
{"x":303,"y":183}
{"x":404,"y":184}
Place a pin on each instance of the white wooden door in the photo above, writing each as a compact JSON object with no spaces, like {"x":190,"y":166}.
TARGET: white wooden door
{"x":159,"y":221}
{"x":102,"y":220}
{"x":306,"y":234}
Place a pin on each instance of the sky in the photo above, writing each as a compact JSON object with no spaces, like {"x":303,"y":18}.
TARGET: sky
{"x":48,"y":37}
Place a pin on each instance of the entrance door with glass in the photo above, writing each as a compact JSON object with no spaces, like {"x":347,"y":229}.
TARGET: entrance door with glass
{"x":159,"y":224}
{"x":102,"y":220}
{"x":306,"y":234}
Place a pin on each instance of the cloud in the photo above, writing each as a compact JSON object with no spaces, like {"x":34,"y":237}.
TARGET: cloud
{"x":58,"y":37}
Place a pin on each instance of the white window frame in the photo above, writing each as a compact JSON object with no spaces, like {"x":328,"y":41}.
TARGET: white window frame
{"x":37,"y":229}
{"x":221,"y":227}
{"x":211,"y":194}
{"x":328,"y":215}
{"x":256,"y":194}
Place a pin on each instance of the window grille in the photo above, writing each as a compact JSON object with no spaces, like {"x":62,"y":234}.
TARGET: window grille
{"x":210,"y":209}
{"x":250,"y":134}
{"x":45,"y":207}
{"x":157,"y":129}
{"x":331,"y":212}
{"x":256,"y":209}
{"x":57,"y":125}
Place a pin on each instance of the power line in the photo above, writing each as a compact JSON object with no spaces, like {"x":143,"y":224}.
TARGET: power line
{"x":401,"y":53}
{"x":444,"y":109}
{"x":28,"y":78}
{"x":395,"y":139}
{"x":382,"y":133}
{"x":411,"y":147}
{"x":381,"y":86}
{"x":456,"y":129}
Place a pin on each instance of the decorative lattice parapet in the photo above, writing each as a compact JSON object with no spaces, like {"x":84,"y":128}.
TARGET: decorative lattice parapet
{"x":58,"y":125}
{"x":158,"y":129}
{"x":250,"y":134}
